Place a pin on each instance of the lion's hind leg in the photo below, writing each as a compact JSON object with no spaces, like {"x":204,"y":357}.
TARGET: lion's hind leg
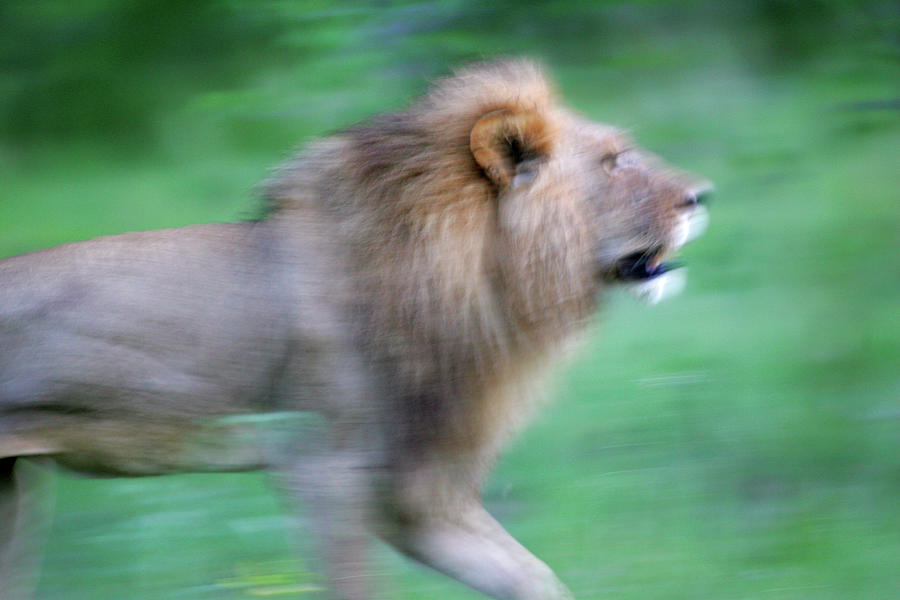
{"x":24,"y":516}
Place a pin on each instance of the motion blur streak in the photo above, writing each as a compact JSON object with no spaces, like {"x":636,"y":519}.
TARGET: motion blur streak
{"x":736,"y":441}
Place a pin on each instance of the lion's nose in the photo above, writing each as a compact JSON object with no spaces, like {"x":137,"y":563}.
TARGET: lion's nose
{"x":693,"y":198}
{"x":690,"y":201}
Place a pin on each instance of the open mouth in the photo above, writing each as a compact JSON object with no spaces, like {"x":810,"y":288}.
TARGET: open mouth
{"x":646,"y":274}
{"x":642,"y":266}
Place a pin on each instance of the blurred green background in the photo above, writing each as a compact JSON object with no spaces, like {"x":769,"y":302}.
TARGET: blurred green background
{"x":740,"y":441}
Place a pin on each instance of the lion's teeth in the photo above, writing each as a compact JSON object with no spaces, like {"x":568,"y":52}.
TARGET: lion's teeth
{"x":690,"y":226}
{"x":660,"y":287}
{"x":697,"y":223}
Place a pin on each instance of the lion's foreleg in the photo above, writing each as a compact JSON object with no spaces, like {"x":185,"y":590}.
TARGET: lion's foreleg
{"x":466,"y":543}
{"x":331,"y":482}
{"x":25,"y":505}
{"x":333,"y":489}
{"x":327,"y":465}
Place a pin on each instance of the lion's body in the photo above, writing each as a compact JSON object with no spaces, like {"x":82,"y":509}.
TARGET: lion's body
{"x":411,"y":277}
{"x":159,"y":330}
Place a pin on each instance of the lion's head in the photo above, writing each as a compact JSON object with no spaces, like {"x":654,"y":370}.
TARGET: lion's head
{"x":487,"y":213}
{"x":635,"y":210}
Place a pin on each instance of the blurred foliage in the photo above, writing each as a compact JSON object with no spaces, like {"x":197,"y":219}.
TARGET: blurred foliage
{"x":114,"y":68}
{"x":739,"y":441}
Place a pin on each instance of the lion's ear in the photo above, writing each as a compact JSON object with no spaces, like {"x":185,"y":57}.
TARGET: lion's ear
{"x":504,"y":142}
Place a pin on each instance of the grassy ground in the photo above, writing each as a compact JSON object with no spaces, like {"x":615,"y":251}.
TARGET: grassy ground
{"x":739,"y":441}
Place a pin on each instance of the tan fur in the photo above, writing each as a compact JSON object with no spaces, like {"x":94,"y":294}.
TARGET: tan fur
{"x":413,"y":276}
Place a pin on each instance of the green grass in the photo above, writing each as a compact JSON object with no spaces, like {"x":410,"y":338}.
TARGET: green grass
{"x":739,"y":441}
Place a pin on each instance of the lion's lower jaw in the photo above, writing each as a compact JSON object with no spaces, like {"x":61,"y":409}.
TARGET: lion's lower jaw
{"x":661,"y":287}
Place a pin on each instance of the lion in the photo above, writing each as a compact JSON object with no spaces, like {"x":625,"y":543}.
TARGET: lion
{"x":410,"y":277}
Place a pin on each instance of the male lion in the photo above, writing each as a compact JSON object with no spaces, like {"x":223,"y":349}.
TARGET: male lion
{"x":410,"y":276}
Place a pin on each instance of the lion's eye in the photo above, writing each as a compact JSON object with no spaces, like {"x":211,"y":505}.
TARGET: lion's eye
{"x":609,"y":162}
{"x":619,"y":160}
{"x":612,"y":162}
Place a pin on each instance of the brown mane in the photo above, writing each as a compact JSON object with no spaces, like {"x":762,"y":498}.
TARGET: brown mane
{"x":420,"y":219}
